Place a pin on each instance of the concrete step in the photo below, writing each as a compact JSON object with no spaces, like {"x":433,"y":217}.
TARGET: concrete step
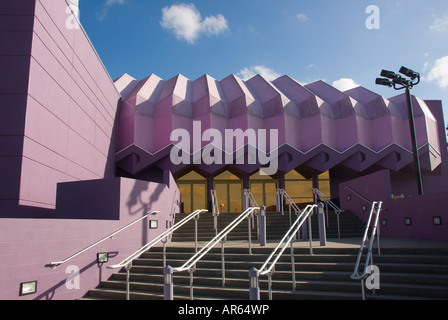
{"x":413,"y":273}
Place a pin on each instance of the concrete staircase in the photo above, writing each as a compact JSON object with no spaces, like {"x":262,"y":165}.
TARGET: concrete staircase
{"x":405,"y":273}
{"x":277,"y":225}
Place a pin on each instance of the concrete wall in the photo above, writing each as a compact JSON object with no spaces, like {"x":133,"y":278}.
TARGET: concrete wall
{"x":398,"y":206}
{"x":58,"y":104}
{"x":27,"y":246}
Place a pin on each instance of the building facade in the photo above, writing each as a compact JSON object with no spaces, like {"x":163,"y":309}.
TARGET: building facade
{"x":84,"y":156}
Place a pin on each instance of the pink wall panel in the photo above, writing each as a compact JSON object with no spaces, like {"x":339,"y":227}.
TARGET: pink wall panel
{"x":70,"y":113}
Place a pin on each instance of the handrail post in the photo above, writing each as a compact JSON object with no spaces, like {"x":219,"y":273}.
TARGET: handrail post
{"x":262,"y":226}
{"x":254,"y":284}
{"x":310,"y":234}
{"x":321,"y":221}
{"x":249,"y":234}
{"x":223,"y":263}
{"x":128,"y":288}
{"x":196,"y":218}
{"x":168,"y":283}
{"x":378,"y":238}
{"x":339,"y":225}
{"x":164,"y":241}
{"x":293,"y":266}
{"x":191,"y":272}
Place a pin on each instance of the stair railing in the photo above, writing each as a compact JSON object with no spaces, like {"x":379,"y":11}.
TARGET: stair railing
{"x":249,"y":199}
{"x":374,"y":212}
{"x":268,"y":267}
{"x":127,"y":262}
{"x":328,"y":203}
{"x":282,"y":195}
{"x":250,"y":202}
{"x":215,"y":209}
{"x":190,"y":265}
{"x":53,"y":265}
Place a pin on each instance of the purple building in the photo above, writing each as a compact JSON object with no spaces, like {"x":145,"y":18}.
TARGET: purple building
{"x":83,"y":156}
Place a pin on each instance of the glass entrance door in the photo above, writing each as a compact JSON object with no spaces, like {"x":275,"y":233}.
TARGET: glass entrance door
{"x":229,"y":191}
{"x":264,"y":189}
{"x":192,"y":189}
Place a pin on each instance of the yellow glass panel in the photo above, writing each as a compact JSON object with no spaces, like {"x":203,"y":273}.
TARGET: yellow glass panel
{"x":294,"y":175}
{"x":324,"y":187}
{"x":258,"y":176}
{"x":270,"y":194}
{"x":199,"y":197}
{"x":222,"y":195}
{"x":185,"y":195}
{"x":229,"y":191}
{"x":236,"y":197}
{"x":192,"y":176}
{"x":299,"y":190}
{"x":227,"y":175}
{"x":325,"y":176}
{"x":257,"y":191}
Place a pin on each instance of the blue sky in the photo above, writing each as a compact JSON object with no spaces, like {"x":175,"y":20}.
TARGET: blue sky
{"x":307,"y":40}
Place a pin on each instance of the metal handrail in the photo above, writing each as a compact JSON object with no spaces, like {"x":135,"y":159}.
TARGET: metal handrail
{"x":376,"y":209}
{"x":249,"y":199}
{"x":250,"y":202}
{"x":282,"y":194}
{"x":215,"y":205}
{"x":358,"y":195}
{"x":53,"y":265}
{"x":285,"y":241}
{"x":175,"y":203}
{"x":190,"y":265}
{"x":127,"y":263}
{"x":326,"y":200}
{"x":330,"y":203}
{"x":156,"y":240}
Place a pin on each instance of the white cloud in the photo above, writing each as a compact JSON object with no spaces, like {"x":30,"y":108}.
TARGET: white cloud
{"x":263,"y":71}
{"x":187,"y":24}
{"x":440,"y":24}
{"x":345,"y":84}
{"x":302,"y":17}
{"x":439,"y":72}
{"x":105,"y":9}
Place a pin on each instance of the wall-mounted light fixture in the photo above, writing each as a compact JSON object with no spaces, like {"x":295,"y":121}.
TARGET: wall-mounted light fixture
{"x":437,"y":221}
{"x":27,"y":288}
{"x":102,"y":257}
{"x":153,"y":224}
{"x":408,"y":221}
{"x":349,"y":197}
{"x":384,"y":222}
{"x":364,"y":208}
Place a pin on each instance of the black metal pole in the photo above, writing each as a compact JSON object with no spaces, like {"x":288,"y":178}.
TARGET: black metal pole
{"x":414,"y":142}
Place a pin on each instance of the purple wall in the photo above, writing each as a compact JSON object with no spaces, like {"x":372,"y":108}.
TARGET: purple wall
{"x":398,"y":205}
{"x":27,"y":246}
{"x":58,"y":193}
{"x":16,"y":31}
{"x":54,"y":82}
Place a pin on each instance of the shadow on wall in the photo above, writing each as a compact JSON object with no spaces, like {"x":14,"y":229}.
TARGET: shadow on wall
{"x":142,"y":199}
